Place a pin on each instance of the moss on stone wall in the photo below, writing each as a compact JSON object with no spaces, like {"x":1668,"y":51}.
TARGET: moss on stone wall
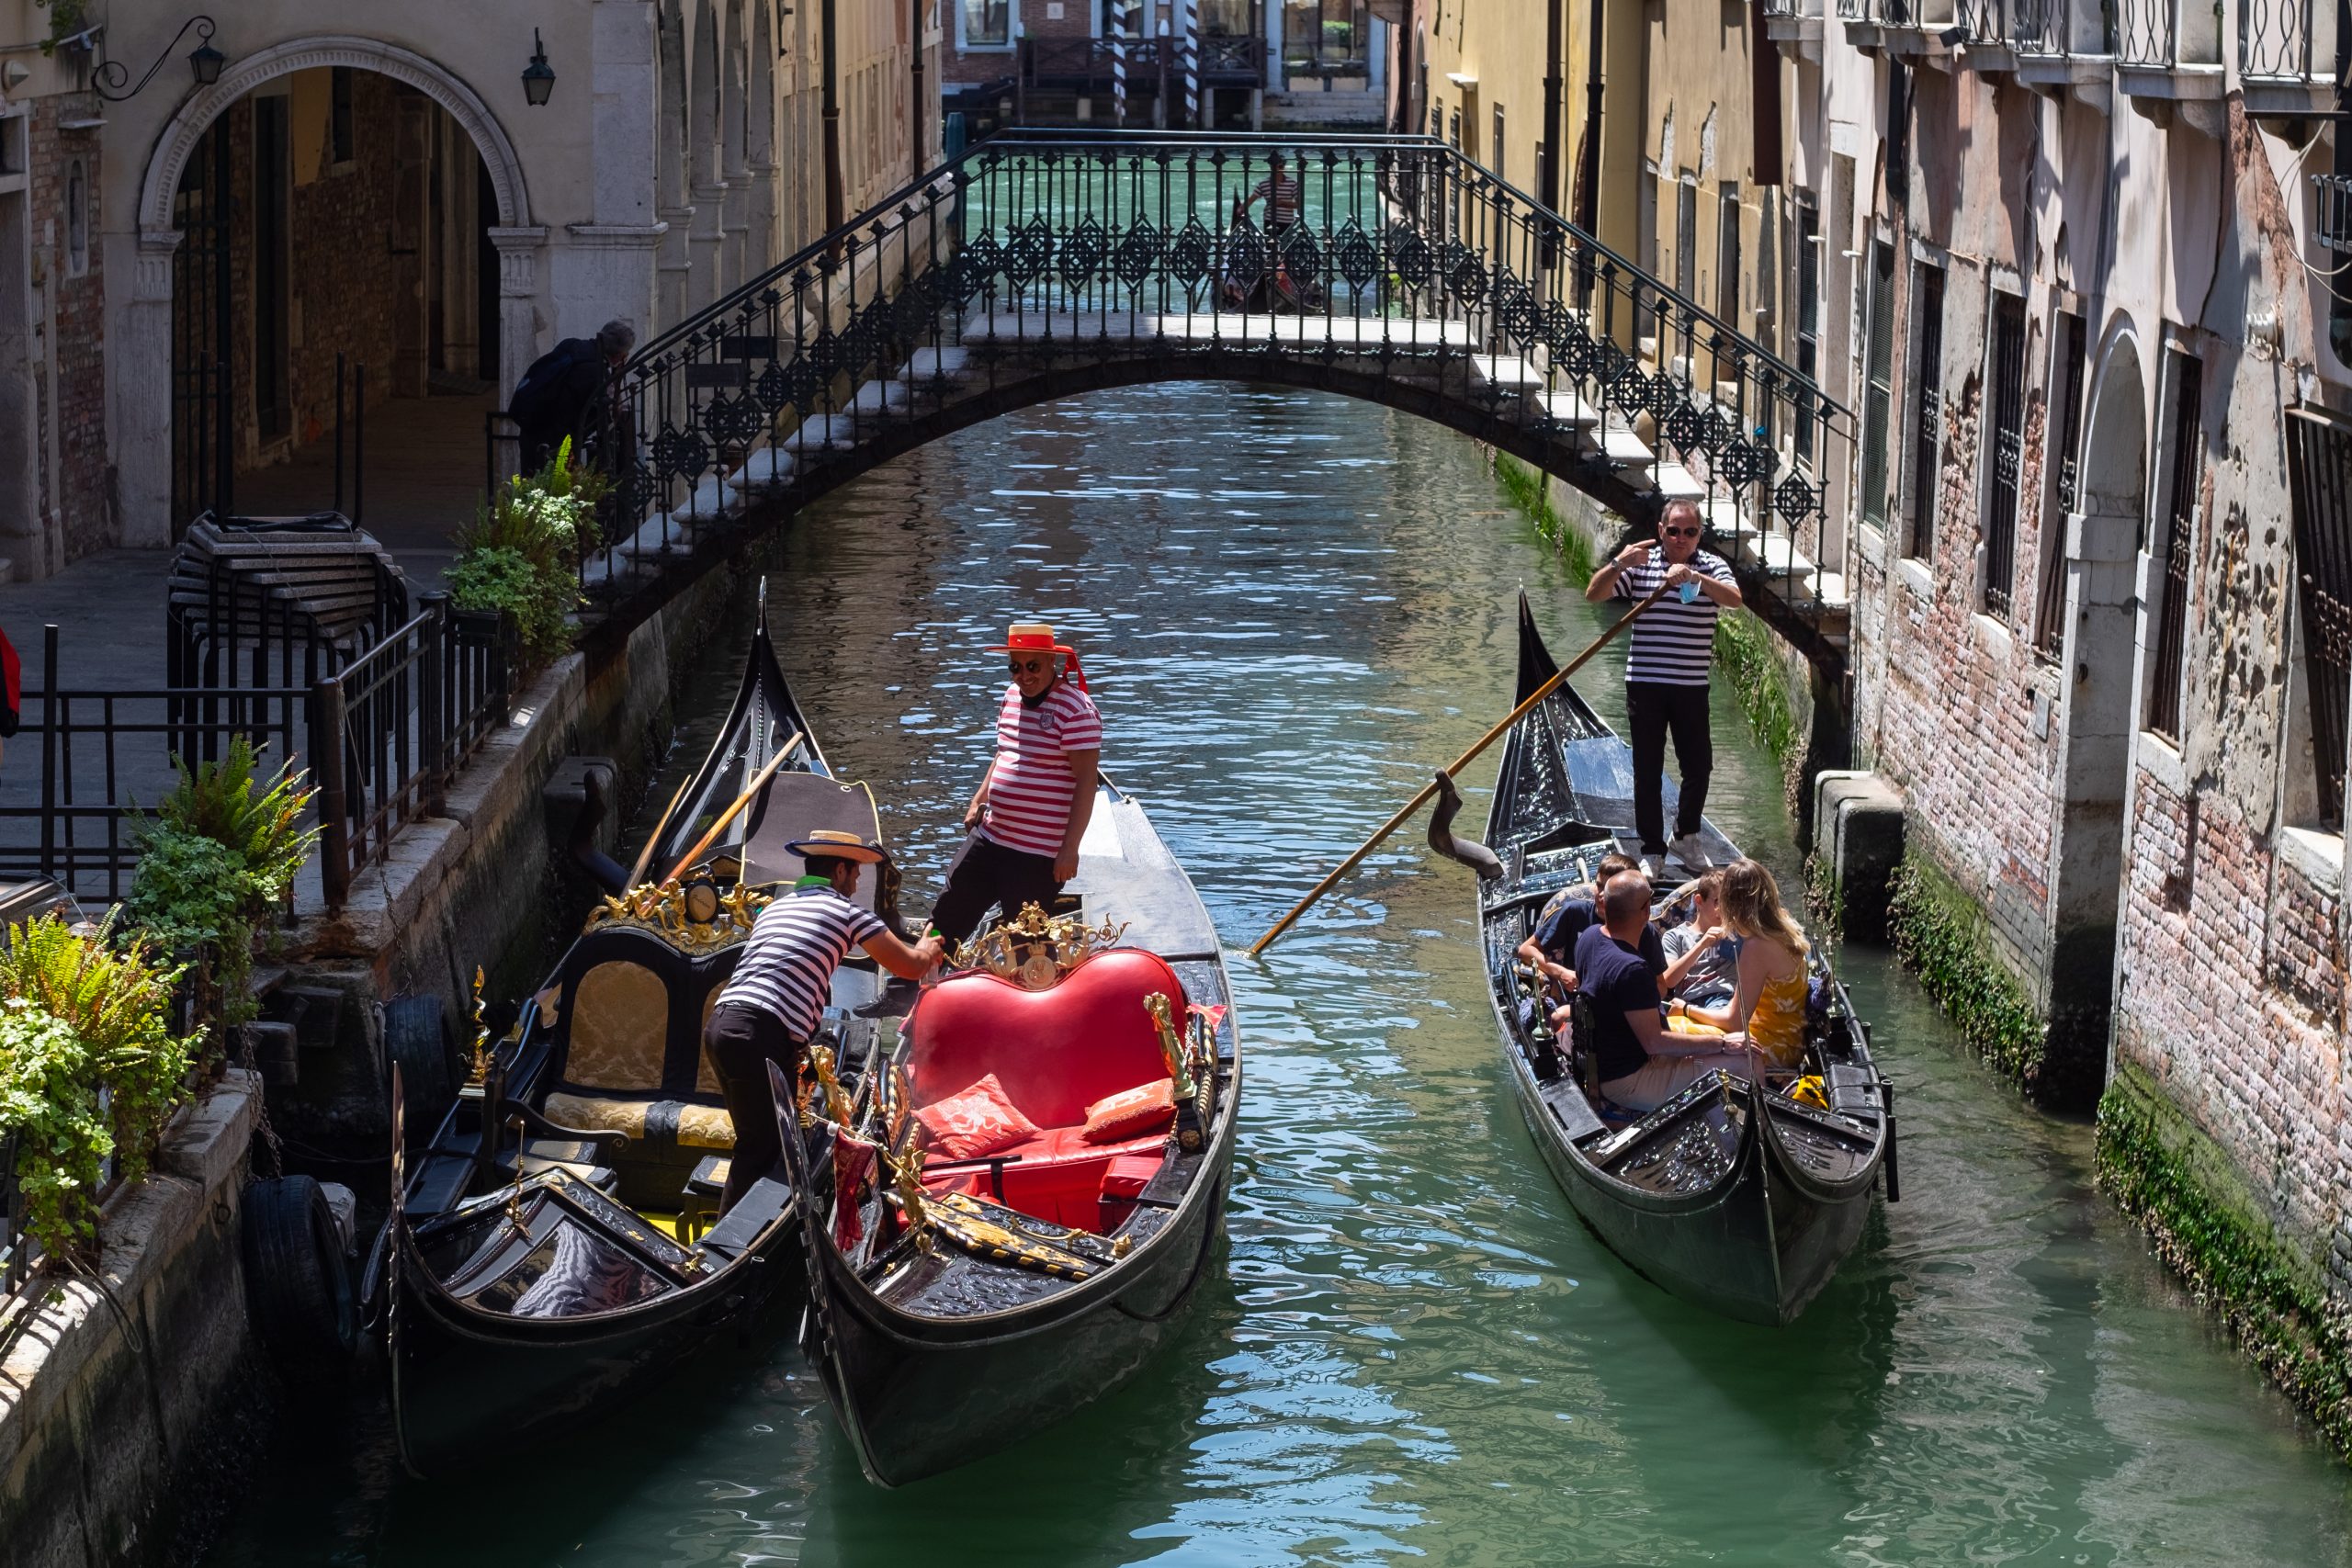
{"x":1941,"y":935}
{"x":1748,"y":654}
{"x":1530,"y":491}
{"x":2166,"y":1173}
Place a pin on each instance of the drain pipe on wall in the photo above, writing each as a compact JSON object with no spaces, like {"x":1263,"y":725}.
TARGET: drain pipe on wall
{"x":1589,"y":176}
{"x":1555,"y":28}
{"x":916,"y":113}
{"x":835,"y":197}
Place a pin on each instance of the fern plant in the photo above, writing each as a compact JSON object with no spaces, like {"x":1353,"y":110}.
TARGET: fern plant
{"x":521,"y":553}
{"x":221,"y":852}
{"x":88,"y":1065}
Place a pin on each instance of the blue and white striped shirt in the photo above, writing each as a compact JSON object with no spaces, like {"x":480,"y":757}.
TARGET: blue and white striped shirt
{"x":797,"y":942}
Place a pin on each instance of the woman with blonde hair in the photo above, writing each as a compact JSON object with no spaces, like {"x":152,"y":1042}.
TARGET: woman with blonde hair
{"x":1766,"y":1014}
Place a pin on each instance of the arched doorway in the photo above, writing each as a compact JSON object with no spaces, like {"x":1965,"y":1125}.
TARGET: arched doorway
{"x":2095,"y":764}
{"x":330,"y":204}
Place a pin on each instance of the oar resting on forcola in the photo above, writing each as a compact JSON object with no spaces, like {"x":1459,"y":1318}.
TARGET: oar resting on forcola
{"x":1445,"y":776}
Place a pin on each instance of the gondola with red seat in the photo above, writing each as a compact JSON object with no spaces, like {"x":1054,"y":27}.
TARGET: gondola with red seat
{"x":1017,"y":1215}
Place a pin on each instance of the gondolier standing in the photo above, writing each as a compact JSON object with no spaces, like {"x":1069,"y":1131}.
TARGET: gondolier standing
{"x":777,"y":994}
{"x":1665,"y":674}
{"x":1033,"y":803}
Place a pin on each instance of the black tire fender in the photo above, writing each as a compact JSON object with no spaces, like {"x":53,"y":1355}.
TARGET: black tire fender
{"x":297,"y":1289}
{"x":416,"y":1040}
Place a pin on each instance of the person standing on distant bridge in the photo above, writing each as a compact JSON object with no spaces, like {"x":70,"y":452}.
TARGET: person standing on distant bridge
{"x":1285,"y":199}
{"x":1666,"y":674}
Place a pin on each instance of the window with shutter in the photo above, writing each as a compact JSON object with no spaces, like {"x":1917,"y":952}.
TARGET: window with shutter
{"x":2172,"y":587}
{"x":2008,"y":452}
{"x":2319,"y":474}
{"x":1878,"y":395}
{"x":1927,"y":408}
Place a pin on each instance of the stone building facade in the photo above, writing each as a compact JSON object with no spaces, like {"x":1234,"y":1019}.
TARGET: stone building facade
{"x":181,"y":260}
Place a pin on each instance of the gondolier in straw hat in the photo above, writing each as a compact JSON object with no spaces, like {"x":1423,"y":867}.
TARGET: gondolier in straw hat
{"x":1666,"y":674}
{"x":1031,"y":808}
{"x":777,"y":994}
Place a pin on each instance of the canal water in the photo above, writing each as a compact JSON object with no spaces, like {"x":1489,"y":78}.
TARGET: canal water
{"x":1292,"y":608}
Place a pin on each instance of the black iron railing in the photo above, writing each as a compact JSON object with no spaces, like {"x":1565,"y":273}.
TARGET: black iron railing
{"x":1410,"y":273}
{"x":2144,"y":33}
{"x":2334,"y":219}
{"x":16,"y":1247}
{"x":410,"y":712}
{"x":2038,"y":26}
{"x":2319,"y":466}
{"x":390,"y":730}
{"x":2274,"y":40}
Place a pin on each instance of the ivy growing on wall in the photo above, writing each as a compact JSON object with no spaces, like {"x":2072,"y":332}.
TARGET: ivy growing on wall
{"x":2166,"y":1174}
{"x":1529,"y":492}
{"x":1941,"y":935}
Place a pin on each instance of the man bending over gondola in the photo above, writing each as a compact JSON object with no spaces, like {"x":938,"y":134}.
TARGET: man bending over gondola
{"x":1031,"y":808}
{"x":1641,"y":1063}
{"x":777,"y":997}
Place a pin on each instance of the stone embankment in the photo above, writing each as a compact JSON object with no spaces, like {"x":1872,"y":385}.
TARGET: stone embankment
{"x":114,"y":1383}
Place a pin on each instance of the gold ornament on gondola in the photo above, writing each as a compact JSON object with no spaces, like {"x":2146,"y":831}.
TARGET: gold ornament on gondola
{"x":693,"y":916}
{"x":829,"y":1093}
{"x":478,"y":1072}
{"x":1037,"y":950}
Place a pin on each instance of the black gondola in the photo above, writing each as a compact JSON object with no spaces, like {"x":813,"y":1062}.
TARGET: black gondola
{"x":1744,"y":1202}
{"x":553,"y":1243}
{"x":958,"y":1305}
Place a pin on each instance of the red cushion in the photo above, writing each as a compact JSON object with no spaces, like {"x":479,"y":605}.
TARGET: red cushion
{"x":978,"y":1122}
{"x":1057,"y":1051}
{"x":1129,"y":1174}
{"x":1130,"y":1113}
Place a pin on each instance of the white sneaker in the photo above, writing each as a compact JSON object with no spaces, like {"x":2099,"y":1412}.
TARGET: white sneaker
{"x":1654,"y":867}
{"x":1688,"y":851}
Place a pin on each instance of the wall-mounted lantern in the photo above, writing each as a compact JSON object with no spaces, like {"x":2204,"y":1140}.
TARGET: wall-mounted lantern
{"x":539,"y":77}
{"x":204,"y":59}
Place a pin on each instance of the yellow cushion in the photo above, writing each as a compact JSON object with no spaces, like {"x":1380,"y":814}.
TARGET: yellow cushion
{"x":620,"y":1028}
{"x":699,"y":1127}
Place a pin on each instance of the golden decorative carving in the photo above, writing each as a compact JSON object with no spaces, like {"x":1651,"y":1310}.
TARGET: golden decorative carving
{"x":693,"y":916}
{"x":1171,"y":1045}
{"x":478,"y":1073}
{"x":1037,"y":950}
{"x":829,"y":1086}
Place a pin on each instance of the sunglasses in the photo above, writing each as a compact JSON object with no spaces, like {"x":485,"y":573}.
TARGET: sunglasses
{"x":1682,"y":533}
{"x":1031,"y":665}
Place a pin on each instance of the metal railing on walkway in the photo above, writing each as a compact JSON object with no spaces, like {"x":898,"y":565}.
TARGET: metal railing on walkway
{"x":1391,"y":268}
{"x":382,"y":738}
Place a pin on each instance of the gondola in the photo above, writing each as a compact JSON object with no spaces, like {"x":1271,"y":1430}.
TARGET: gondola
{"x":552,"y":1245}
{"x":1741,"y":1201}
{"x":964,"y":1295}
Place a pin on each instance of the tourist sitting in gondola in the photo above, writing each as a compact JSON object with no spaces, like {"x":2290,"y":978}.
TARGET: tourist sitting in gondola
{"x":1571,"y":912}
{"x":1640,"y":1062}
{"x":777,"y":997}
{"x":1766,"y":1011}
{"x":1703,"y":954}
{"x":1030,"y":812}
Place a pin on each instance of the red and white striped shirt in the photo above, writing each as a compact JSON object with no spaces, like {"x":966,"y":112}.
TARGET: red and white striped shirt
{"x":1031,"y":787}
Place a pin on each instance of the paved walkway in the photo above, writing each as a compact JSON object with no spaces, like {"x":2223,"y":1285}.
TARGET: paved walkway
{"x":424,"y":478}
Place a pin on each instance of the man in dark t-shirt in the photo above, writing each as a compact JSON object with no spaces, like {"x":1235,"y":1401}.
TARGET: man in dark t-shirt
{"x":1641,"y":1063}
{"x":1550,"y":949}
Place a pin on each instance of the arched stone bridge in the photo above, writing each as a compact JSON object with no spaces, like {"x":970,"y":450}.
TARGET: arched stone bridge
{"x":1039,"y":265}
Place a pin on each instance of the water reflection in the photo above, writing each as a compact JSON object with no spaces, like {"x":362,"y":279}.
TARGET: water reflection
{"x":1292,"y":608}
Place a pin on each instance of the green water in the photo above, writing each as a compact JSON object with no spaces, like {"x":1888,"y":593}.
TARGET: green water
{"x":1293,"y":608}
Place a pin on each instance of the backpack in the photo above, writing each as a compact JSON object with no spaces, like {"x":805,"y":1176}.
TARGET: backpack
{"x":536,"y":394}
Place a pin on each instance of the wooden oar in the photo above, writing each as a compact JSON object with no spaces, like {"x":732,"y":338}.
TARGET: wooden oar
{"x":1458,"y":764}
{"x":645,"y":855}
{"x":758,"y":784}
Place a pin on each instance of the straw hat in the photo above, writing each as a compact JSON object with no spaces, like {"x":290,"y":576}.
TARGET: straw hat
{"x":838,"y":845}
{"x":1029,"y":637}
{"x":1036,"y":636}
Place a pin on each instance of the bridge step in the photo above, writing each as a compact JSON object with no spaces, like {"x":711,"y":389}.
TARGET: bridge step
{"x":1625,"y":451}
{"x":1506,"y":371}
{"x":926,"y":365}
{"x":1028,"y":329}
{"x":1674,"y":483}
{"x":1572,"y":410}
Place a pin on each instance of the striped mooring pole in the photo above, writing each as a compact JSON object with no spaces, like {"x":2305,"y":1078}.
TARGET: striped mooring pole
{"x":1188,"y":58}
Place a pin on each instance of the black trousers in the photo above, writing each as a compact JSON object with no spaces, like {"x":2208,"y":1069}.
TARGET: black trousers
{"x":741,"y":1042}
{"x":1652,"y":709}
{"x":987,"y":873}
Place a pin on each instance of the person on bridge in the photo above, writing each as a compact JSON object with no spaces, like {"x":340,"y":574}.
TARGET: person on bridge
{"x":564,"y":393}
{"x":777,"y":997}
{"x":1031,"y":810}
{"x":1281,"y":192}
{"x":1665,"y":674}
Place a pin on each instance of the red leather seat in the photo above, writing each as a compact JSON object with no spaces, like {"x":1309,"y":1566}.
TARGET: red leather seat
{"x":1055,"y":1053}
